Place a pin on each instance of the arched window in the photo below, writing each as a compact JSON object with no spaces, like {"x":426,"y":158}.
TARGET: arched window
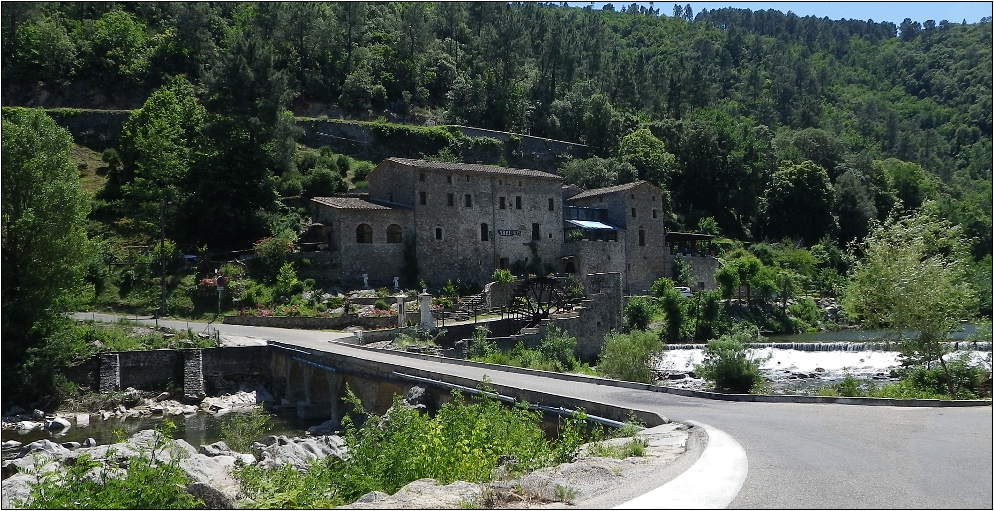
{"x":394,"y":234}
{"x":364,"y":234}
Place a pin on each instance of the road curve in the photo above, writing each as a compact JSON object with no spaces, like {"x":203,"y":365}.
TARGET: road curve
{"x":799,"y":455}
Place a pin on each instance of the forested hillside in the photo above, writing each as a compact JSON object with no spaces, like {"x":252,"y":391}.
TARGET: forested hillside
{"x":722,"y":108}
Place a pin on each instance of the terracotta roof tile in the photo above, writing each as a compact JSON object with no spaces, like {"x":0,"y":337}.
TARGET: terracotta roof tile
{"x":475,"y":168}
{"x":605,"y":191}
{"x":351,"y":202}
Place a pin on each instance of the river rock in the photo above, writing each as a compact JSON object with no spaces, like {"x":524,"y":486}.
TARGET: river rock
{"x":162,"y":397}
{"x":323,"y":429}
{"x":82,"y":420}
{"x":211,"y":480}
{"x":90,"y":442}
{"x":16,"y":489}
{"x":421,"y":494}
{"x":12,"y":444}
{"x":58,"y":424}
{"x":71,"y":445}
{"x":300,"y":452}
{"x":47,"y":447}
{"x":16,"y":410}
{"x":37,"y":415}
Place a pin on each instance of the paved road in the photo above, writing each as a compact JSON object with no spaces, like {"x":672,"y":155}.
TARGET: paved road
{"x":799,"y":455}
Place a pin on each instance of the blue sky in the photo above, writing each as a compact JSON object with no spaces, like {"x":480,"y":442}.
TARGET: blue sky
{"x":895,"y":12}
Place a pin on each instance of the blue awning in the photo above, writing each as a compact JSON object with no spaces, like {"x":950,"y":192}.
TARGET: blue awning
{"x":587,"y":224}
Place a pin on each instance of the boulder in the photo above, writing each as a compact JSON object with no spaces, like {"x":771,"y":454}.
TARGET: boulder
{"x":82,"y":420}
{"x":211,"y":480}
{"x":300,"y":452}
{"x":12,"y":444}
{"x":221,"y":449}
{"x":58,"y":424}
{"x":89,"y":442}
{"x":323,"y":429}
{"x":16,"y":410}
{"x":421,"y":494}
{"x":37,"y":414}
{"x":71,"y":445}
{"x":16,"y":489}
{"x":46,"y":447}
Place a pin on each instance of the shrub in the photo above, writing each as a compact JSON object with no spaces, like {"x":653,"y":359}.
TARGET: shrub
{"x":968,"y":379}
{"x":286,"y":281}
{"x":503,"y":276}
{"x":321,"y":182}
{"x":381,"y":305}
{"x":239,"y":430}
{"x":637,"y":313}
{"x":631,"y":356}
{"x":147,"y":483}
{"x":559,"y":347}
{"x":361,"y":169}
{"x":804,"y":313}
{"x":726,"y":363}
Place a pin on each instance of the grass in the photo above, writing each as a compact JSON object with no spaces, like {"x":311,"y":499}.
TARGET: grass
{"x":632,"y":448}
{"x":93,"y":170}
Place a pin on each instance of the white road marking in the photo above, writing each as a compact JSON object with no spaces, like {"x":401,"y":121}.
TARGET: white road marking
{"x":711,"y":483}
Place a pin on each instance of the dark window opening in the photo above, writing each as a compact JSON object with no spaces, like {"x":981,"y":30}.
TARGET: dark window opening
{"x":452,"y":199}
{"x":653,"y":213}
{"x":424,"y":198}
{"x":536,"y":235}
{"x":503,"y":263}
{"x":469,"y":200}
{"x":517,"y":202}
{"x":641,"y":237}
{"x":503,"y":203}
{"x":448,"y":179}
{"x":633,"y":212}
{"x":394,"y":234}
{"x":484,"y":232}
{"x":421,"y":176}
{"x":438,"y":233}
{"x":364,"y":234}
{"x":552,"y":204}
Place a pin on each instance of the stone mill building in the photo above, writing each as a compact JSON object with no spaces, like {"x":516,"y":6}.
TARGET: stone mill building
{"x":462,"y":221}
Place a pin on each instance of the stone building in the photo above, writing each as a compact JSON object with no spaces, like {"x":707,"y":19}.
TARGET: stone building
{"x":462,"y":221}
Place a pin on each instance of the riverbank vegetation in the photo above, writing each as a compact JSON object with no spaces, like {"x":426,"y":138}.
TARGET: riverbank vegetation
{"x":466,"y":440}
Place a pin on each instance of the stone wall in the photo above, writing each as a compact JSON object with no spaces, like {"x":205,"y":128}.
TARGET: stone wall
{"x":312,"y":323}
{"x":593,"y":257}
{"x":703,"y":269}
{"x":153,"y":369}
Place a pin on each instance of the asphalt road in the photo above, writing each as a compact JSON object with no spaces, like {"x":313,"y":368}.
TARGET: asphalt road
{"x":799,"y":455}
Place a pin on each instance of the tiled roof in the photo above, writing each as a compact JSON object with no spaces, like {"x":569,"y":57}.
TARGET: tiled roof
{"x":475,"y":168}
{"x":350,"y":202}
{"x":605,"y":191}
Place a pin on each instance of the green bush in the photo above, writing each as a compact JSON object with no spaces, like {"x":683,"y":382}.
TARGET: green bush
{"x":804,"y":313}
{"x":631,"y":356}
{"x":239,"y":430}
{"x":147,"y":483}
{"x":559,"y":347}
{"x":968,"y":379}
{"x":503,"y":276}
{"x":637,"y":313}
{"x":726,"y":363}
{"x":381,"y":305}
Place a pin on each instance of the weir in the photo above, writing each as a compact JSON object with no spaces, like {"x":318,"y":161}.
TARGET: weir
{"x":840,"y":346}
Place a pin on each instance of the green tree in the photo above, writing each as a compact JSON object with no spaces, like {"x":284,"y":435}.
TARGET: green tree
{"x":798,"y":203}
{"x":910,"y":183}
{"x":853,"y":206}
{"x":913,"y":277}
{"x":44,"y":240}
{"x":649,"y":156}
{"x":158,"y":144}
{"x":595,"y":172}
{"x":250,"y":140}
